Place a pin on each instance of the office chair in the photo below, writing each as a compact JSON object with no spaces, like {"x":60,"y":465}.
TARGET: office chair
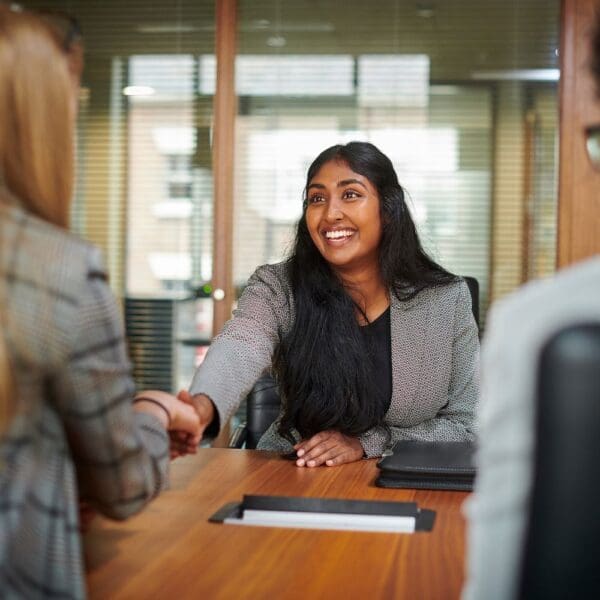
{"x":262,"y":408}
{"x":562,"y":547}
{"x":263,"y":403}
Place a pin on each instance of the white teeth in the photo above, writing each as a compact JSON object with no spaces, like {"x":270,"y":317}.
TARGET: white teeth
{"x":334,"y":235}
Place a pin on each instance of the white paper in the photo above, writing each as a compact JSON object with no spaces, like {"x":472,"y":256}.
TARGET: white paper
{"x":318,"y":520}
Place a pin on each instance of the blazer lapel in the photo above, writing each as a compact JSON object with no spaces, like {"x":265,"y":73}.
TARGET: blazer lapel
{"x":408,"y":322}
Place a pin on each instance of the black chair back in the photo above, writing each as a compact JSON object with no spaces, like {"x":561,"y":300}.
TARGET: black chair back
{"x":262,"y":408}
{"x":562,"y":548}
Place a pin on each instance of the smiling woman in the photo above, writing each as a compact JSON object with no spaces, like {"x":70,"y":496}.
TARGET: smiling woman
{"x":371,"y":341}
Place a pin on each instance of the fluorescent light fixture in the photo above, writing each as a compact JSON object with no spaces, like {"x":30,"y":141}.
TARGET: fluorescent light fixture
{"x":154,"y":28}
{"x":138,"y":90}
{"x":260,"y":25}
{"x":517,"y":75}
{"x":254,"y":26}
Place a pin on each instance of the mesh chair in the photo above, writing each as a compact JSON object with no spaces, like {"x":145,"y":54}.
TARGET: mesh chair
{"x":263,"y":403}
{"x":562,"y":547}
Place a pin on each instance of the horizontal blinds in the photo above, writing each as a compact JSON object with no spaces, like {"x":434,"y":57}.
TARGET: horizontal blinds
{"x":443,"y":89}
{"x":144,"y":181}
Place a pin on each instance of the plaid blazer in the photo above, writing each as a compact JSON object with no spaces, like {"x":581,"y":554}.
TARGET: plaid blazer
{"x":434,"y":351}
{"x":75,"y":434}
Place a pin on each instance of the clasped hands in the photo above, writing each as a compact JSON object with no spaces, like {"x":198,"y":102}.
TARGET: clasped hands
{"x":182,"y":442}
{"x":184,"y":416}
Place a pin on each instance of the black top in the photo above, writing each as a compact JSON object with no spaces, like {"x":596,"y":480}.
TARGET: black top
{"x":378,"y":338}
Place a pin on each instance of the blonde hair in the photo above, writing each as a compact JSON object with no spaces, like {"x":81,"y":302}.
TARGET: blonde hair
{"x":36,"y":117}
{"x":37,"y":123}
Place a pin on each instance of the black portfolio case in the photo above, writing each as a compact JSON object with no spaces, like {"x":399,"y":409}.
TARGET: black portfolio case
{"x":428,"y":465}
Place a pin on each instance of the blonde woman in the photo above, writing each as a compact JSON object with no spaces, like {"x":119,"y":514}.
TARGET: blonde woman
{"x":69,"y":426}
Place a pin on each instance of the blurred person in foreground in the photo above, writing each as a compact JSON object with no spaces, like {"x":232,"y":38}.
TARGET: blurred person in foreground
{"x":70,"y":427}
{"x":518,"y":328}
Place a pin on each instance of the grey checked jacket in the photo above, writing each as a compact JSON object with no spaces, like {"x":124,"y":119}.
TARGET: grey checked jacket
{"x":435,"y":360}
{"x":75,"y":434}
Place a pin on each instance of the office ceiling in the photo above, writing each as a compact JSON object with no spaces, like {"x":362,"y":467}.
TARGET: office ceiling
{"x":459,"y":36}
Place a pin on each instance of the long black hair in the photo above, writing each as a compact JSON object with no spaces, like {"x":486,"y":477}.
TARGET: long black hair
{"x":322,"y":364}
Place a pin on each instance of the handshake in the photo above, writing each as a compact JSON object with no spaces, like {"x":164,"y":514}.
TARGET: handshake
{"x":184,"y":416}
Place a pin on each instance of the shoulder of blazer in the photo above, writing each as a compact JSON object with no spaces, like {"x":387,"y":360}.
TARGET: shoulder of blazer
{"x":273,"y":271}
{"x":446,"y":293}
{"x":274,"y":276}
{"x":272,"y":284}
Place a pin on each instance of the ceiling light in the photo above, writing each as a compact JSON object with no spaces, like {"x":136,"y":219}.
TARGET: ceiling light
{"x":517,"y":75}
{"x":425,"y":11}
{"x":138,"y":90}
{"x":260,"y":23}
{"x":276,"y":41}
{"x":298,"y":27}
{"x":158,"y":28}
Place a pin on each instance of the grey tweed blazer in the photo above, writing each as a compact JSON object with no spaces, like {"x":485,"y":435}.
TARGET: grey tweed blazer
{"x":75,"y":434}
{"x":435,"y":360}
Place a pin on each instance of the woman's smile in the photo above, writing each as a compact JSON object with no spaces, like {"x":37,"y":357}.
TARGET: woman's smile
{"x":338,"y":237}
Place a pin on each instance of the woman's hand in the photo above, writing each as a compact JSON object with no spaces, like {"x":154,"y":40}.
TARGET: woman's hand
{"x":177,"y":416}
{"x":331,"y":448}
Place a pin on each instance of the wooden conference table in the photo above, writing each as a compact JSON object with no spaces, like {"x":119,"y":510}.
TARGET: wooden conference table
{"x":171,"y":550}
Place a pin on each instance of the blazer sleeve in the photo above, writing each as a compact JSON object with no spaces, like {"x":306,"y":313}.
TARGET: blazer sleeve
{"x":121,"y":456}
{"x":455,"y":421}
{"x":244,"y":348}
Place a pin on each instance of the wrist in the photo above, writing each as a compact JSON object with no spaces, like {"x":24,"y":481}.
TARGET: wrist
{"x":204,"y":407}
{"x":154,"y":408}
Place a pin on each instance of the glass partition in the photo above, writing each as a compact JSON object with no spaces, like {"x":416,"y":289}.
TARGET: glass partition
{"x":462,"y":95}
{"x":445,"y":89}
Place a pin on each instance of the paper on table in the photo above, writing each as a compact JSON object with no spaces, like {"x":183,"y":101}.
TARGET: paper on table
{"x":336,"y":521}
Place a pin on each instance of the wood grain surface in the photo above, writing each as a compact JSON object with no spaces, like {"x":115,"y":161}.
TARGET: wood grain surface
{"x":172,"y":551}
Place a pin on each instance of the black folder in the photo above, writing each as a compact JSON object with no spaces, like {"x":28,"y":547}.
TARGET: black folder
{"x":428,"y":465}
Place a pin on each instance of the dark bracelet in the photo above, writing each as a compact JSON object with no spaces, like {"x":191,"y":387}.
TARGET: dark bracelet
{"x":146,"y":399}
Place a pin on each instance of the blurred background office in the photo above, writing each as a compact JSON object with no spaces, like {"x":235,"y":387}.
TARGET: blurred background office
{"x":461,"y":94}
